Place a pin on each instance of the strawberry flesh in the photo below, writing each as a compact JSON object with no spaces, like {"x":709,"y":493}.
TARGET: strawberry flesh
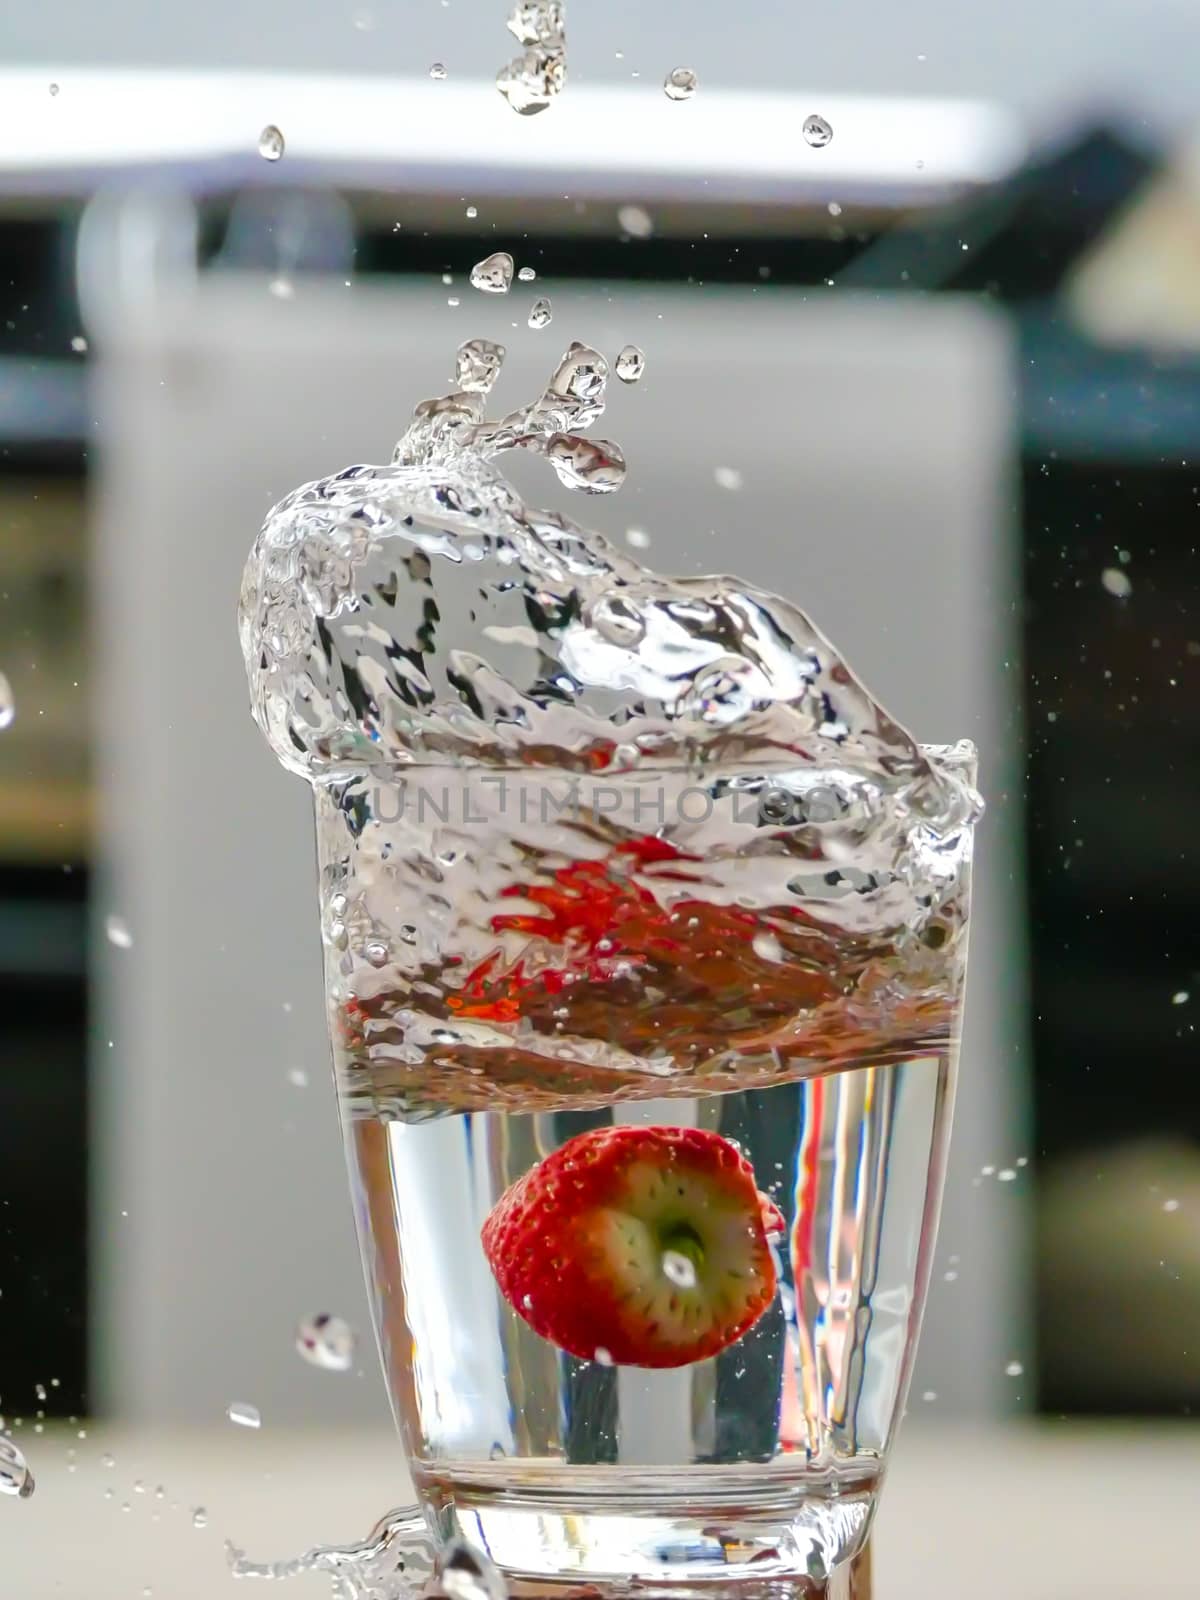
{"x":648,"y":1244}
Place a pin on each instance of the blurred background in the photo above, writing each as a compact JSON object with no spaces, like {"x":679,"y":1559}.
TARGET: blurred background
{"x":938,"y":379}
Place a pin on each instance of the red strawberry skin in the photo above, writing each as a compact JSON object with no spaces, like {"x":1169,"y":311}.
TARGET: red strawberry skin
{"x":576,"y":1245}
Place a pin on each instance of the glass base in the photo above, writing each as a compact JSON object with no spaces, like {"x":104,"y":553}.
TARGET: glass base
{"x":650,"y":1530}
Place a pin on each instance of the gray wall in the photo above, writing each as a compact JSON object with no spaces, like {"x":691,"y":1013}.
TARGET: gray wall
{"x":1046,"y":59}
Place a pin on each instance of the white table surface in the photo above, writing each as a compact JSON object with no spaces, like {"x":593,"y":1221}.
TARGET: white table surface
{"x":1050,"y":1512}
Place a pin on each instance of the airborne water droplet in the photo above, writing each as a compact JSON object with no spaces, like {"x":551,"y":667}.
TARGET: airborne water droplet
{"x":636,"y":221}
{"x":530,"y":81}
{"x":1014,"y":1369}
{"x":817,"y":132}
{"x":727,"y":478}
{"x":79,"y":344}
{"x":116,"y":931}
{"x":630,"y":364}
{"x":53,"y":88}
{"x":467,"y":1574}
{"x":540,"y":313}
{"x":602,"y":1356}
{"x":767,"y":947}
{"x":327,"y":1342}
{"x":527,"y":274}
{"x":679,"y":83}
{"x":270,"y":143}
{"x":637,"y":538}
{"x":1116,"y":582}
{"x":15,"y":1476}
{"x":438,"y":72}
{"x":8,"y":708}
{"x":199,"y":1517}
{"x":246,"y":1416}
{"x":477,"y":365}
{"x":494,"y":274}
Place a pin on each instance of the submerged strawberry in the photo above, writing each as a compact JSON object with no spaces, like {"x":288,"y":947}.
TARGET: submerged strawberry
{"x":646,"y":1247}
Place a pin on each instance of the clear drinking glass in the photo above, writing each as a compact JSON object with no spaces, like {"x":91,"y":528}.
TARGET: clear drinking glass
{"x":459,"y":1069}
{"x":645,"y":934}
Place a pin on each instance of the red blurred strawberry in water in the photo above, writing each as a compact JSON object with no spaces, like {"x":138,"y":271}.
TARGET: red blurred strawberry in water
{"x":645,"y":1247}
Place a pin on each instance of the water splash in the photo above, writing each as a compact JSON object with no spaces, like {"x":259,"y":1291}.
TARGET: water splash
{"x":271,"y":143}
{"x":395,"y":1562}
{"x":15,"y":1477}
{"x":466,"y":1573}
{"x":477,"y":365}
{"x":532,"y":80}
{"x":679,"y":83}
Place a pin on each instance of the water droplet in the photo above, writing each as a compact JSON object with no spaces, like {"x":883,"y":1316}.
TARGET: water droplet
{"x":929,"y":1396}
{"x":1180,"y":997}
{"x":471,"y":213}
{"x":767,"y":947}
{"x":618,"y":621}
{"x":603,"y":1357}
{"x":987,"y":1172}
{"x":950,"y":1277}
{"x":727,"y":478}
{"x":364,"y":21}
{"x":1170,"y":1205}
{"x":116,"y":931}
{"x":531,"y":80}
{"x":636,"y":221}
{"x":246,"y":1416}
{"x":270,"y":143}
{"x":438,"y":72}
{"x":53,"y":88}
{"x":834,"y":209}
{"x":637,"y":538}
{"x":467,"y":1574}
{"x":595,"y":466}
{"x":282,"y":288}
{"x":478,"y":364}
{"x":1006,"y":1175}
{"x":630,"y":364}
{"x":107,"y":1461}
{"x":494,"y":274}
{"x":15,"y":1476}
{"x":817,"y":131}
{"x":8,"y":709}
{"x":453,"y":301}
{"x":297,"y":1077}
{"x":1014,"y":1369}
{"x":327,"y":1342}
{"x":679,"y":1268}
{"x":1116,"y":582}
{"x":540,"y":313}
{"x":527,"y":274}
{"x":199,"y":1517}
{"x":679,"y":83}
{"x":376,"y":953}
{"x":39,"y":1390}
{"x":79,"y":344}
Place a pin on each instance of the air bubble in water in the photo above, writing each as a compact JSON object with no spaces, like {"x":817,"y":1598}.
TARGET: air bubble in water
{"x":727,"y":478}
{"x":15,"y":1476}
{"x":540,"y":313}
{"x":327,"y":1342}
{"x":817,"y":131}
{"x":477,"y":365}
{"x":467,"y":1574}
{"x":116,"y":931}
{"x":679,"y":1268}
{"x":618,"y":621}
{"x":438,"y":72}
{"x":8,"y":708}
{"x":767,"y":947}
{"x":679,"y":83}
{"x":270,"y":143}
{"x":1116,"y":582}
{"x":636,"y":220}
{"x":494,"y":274}
{"x":527,"y":274}
{"x":246,"y":1416}
{"x":630,"y":364}
{"x":595,"y":466}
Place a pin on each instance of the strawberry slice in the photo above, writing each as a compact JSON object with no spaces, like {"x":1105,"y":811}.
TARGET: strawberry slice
{"x":643,"y":1247}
